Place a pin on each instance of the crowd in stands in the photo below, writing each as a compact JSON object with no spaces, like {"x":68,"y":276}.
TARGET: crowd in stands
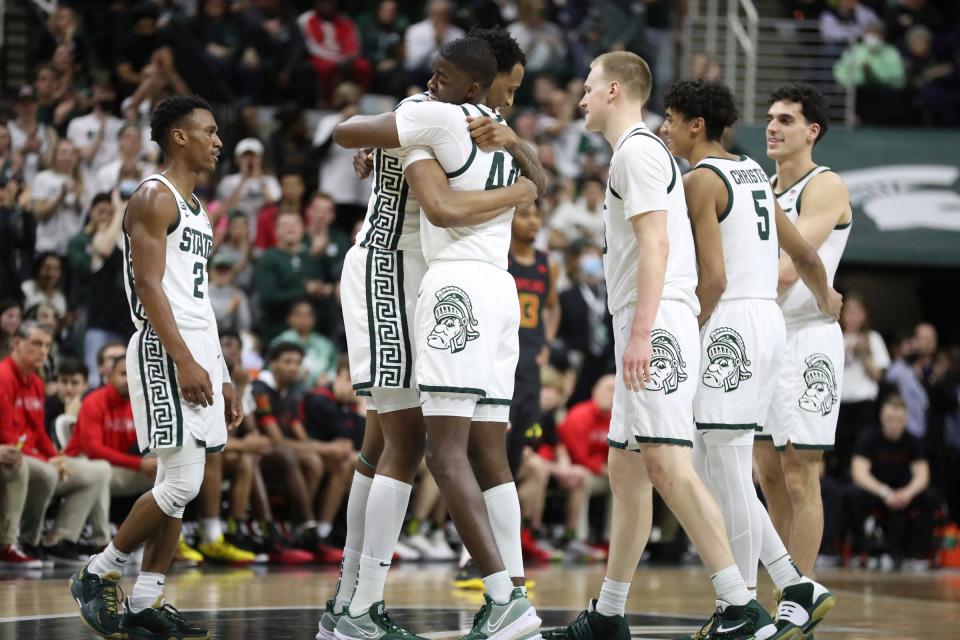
{"x":285,"y":205}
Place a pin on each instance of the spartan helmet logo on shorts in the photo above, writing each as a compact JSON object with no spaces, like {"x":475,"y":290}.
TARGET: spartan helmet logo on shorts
{"x":453,"y":313}
{"x":821,"y":393}
{"x":666,"y":363}
{"x":728,"y":360}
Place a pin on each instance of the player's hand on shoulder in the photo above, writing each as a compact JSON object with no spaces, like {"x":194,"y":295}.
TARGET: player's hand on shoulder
{"x":489,"y":135}
{"x":195,"y":385}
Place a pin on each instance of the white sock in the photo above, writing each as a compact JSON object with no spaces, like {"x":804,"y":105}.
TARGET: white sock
{"x":464,"y":557}
{"x":784,"y":572}
{"x":148,"y":588}
{"x":372,"y":578}
{"x":353,"y":547}
{"x":503,"y":507}
{"x":110,"y":559}
{"x":773,"y":553}
{"x":211,"y":529}
{"x":499,"y":586}
{"x":730,"y":587}
{"x":613,"y":598}
{"x":386,"y":506}
{"x":728,"y":473}
{"x":324,"y":529}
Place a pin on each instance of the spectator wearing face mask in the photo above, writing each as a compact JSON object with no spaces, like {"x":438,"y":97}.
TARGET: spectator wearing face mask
{"x":876,"y":70}
{"x":905,"y":378}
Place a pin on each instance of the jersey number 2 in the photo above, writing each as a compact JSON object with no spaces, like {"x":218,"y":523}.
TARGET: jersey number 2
{"x":198,"y":281}
{"x":763,"y":224}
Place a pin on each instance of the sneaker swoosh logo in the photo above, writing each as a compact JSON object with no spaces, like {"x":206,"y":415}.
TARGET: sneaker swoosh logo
{"x":493,"y":627}
{"x":363,"y":632}
{"x":722,"y":629}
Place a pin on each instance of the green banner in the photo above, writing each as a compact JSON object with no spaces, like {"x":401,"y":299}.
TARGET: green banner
{"x":904,"y":186}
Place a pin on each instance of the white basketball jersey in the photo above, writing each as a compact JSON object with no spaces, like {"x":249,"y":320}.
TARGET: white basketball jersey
{"x":392,"y":221}
{"x":748,"y":229}
{"x":189,"y":245}
{"x":798,"y":304}
{"x":645,"y":177}
{"x":441,"y":132}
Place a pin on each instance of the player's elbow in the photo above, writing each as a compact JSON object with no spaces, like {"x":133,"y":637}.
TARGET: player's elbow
{"x":714,"y":283}
{"x":439,"y":214}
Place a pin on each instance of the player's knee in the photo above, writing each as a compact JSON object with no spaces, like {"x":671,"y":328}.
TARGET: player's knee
{"x":312,"y":465}
{"x":245,"y":465}
{"x":179,"y":486}
{"x":441,"y":464}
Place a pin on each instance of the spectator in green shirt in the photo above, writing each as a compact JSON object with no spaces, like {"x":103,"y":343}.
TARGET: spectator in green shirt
{"x":286,"y":273}
{"x":328,"y":244}
{"x":320,"y":355}
{"x":871,"y":63}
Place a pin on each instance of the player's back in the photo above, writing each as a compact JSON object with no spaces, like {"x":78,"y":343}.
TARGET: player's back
{"x":392,"y":220}
{"x":748,"y":229}
{"x":798,"y":304}
{"x":442,"y":128}
{"x":639,"y":157}
{"x":189,"y":245}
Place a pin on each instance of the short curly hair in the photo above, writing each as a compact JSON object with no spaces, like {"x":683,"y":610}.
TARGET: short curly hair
{"x":170,"y":113}
{"x":505,"y":48}
{"x":812,"y":104}
{"x":709,"y":100}
{"x":474,"y":56}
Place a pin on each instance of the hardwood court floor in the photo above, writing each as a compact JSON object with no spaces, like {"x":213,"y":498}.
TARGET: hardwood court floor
{"x":667,"y":603}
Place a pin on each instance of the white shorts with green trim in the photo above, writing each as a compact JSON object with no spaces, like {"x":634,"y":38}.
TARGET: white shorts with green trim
{"x":741,"y":347}
{"x":466,"y":328}
{"x":162,"y":417}
{"x":807,"y":398}
{"x":378,"y":294}
{"x":663,"y":412}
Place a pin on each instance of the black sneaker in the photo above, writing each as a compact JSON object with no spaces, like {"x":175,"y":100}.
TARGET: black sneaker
{"x":162,"y":621}
{"x":98,"y":597}
{"x":65,"y":554}
{"x":591,"y":625}
{"x":747,"y":622}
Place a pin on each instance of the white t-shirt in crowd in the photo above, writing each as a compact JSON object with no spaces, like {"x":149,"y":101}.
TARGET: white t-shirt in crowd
{"x":83,"y":129}
{"x":54,"y":233}
{"x":254,"y":194}
{"x":857,"y":385}
{"x":336,"y":169}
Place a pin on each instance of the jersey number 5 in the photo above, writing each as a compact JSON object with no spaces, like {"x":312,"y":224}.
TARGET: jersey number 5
{"x":763,"y":224}
{"x":198,"y":281}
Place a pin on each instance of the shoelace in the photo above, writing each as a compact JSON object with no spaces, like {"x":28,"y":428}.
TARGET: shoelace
{"x":705,"y":629}
{"x":112,"y":595}
{"x":174,"y":615}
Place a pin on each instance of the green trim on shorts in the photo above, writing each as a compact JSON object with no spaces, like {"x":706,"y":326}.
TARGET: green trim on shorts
{"x":497,"y":401}
{"x":674,"y":441}
{"x":363,"y":460}
{"x":444,"y":389}
{"x":615,"y":444}
{"x":215,"y":449}
{"x":763,"y":436}
{"x":362,"y":385}
{"x":812,"y":447}
{"x":727,"y":427}
{"x":364,"y":393}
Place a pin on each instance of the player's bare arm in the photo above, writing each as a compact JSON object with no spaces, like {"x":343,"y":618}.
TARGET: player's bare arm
{"x":826,"y":203}
{"x":445,"y":207}
{"x":650,"y":230}
{"x":360,"y":132}
{"x":706,"y":199}
{"x":805,"y":262}
{"x":490,"y":135}
{"x":149,"y":215}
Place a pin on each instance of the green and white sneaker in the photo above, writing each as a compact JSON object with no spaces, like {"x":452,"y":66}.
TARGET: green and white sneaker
{"x":802,"y":606}
{"x":99,"y":598}
{"x":515,"y":619}
{"x":375,"y":624}
{"x":329,"y":620}
{"x":591,"y":625}
{"x":747,"y":622}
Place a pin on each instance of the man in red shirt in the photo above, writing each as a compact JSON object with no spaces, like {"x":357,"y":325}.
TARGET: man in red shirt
{"x":83,"y":483}
{"x":333,"y":47}
{"x":584,"y":436}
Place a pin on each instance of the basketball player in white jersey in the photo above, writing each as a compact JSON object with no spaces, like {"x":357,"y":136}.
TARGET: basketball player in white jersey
{"x":802,"y":421}
{"x":466,"y":343}
{"x":379,"y":287}
{"x":182,"y":396}
{"x":651,"y":274}
{"x":742,"y":331}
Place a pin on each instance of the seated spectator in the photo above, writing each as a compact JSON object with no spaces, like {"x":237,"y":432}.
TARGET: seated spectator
{"x":903,"y":15}
{"x":11,"y":315}
{"x":46,"y":287}
{"x":83,"y":483}
{"x":97,"y":266}
{"x":333,"y":47}
{"x":291,"y":201}
{"x":581,"y":219}
{"x":95,"y":134}
{"x":71,"y":385}
{"x":845,"y":23}
{"x":59,"y":196}
{"x":891,"y":478}
{"x":424,"y":39}
{"x":250,"y":188}
{"x":320,"y":358}
{"x":125,"y":170}
{"x":15,"y":477}
{"x":382,"y":38}
{"x":29,"y":137}
{"x":584,"y":437}
{"x":933,"y":73}
{"x":542,"y":41}
{"x":278,"y":410}
{"x":238,"y":461}
{"x":875,"y":69}
{"x":286,"y":273}
{"x":238,"y":248}
{"x":332,"y":412}
{"x":230,"y":304}
{"x":107,"y":355}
